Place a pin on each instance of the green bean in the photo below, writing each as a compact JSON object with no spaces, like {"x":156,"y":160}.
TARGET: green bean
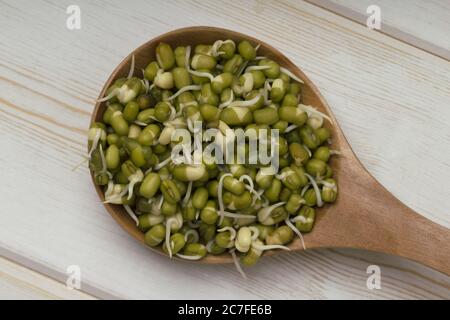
{"x":310,"y":197}
{"x":119,"y":124}
{"x":212,"y":187}
{"x":292,"y":115}
{"x":235,"y":116}
{"x":151,"y":70}
{"x":300,"y":173}
{"x":200,"y":80}
{"x":224,"y":240}
{"x":146,"y":116}
{"x":209,"y":213}
{"x":181,"y":77}
{"x":282,"y":144}
{"x":195,"y":249}
{"x":177,"y":243}
{"x":280,"y":236}
{"x":293,"y":136}
{"x":294,"y":88}
{"x":146,"y":221}
{"x":232,"y":65}
{"x":323,"y":134}
{"x":258,"y":78}
{"x":237,"y":170}
{"x":145,"y":101}
{"x":165,"y":56}
{"x":209,"y":112}
{"x":221,"y":82}
{"x":112,"y":157}
{"x":200,"y":198}
{"x":285,"y":194}
{"x":290,"y":179}
{"x":129,"y":90}
{"x":233,"y":185}
{"x":113,"y":139}
{"x":278,"y":90}
{"x":143,"y":205}
{"x":181,"y":186}
{"x":203,"y":61}
{"x":309,"y":137}
{"x":101,"y":178}
{"x":134,"y":131}
{"x":272,"y":193}
{"x":170,"y":191}
{"x":208,"y":96}
{"x":140,"y":155}
{"x":215,"y":249}
{"x":322,"y":153}
{"x":164,"y":80}
{"x":274,"y":69}
{"x":316,"y":167}
{"x":264,"y":231}
{"x":207,"y":231}
{"x":253,"y":255}
{"x":162,"y":111}
{"x":298,"y":153}
{"x":180,"y":56}
{"x":150,"y":185}
{"x":246,"y":50}
{"x":120,"y":178}
{"x":160,"y":149}
{"x":188,"y":211}
{"x":226,"y":222}
{"x":190,"y":173}
{"x":329,"y":190}
{"x":294,"y":203}
{"x":305,"y":223}
{"x":131,"y":111}
{"x":237,"y":202}
{"x":203,"y":49}
{"x":227,"y":49}
{"x":277,"y":215}
{"x":168,"y":208}
{"x":114,"y":87}
{"x":155,"y":235}
{"x":266,"y":115}
{"x":289,"y":100}
{"x":264,"y":179}
{"x":149,"y":134}
{"x":259,"y":103}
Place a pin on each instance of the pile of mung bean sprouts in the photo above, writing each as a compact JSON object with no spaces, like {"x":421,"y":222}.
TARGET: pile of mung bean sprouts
{"x":193,"y":210}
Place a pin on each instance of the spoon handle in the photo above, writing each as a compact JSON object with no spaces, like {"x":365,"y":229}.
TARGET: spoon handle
{"x":371,"y":218}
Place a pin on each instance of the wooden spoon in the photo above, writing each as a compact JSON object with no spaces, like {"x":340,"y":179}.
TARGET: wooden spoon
{"x":365,"y":216}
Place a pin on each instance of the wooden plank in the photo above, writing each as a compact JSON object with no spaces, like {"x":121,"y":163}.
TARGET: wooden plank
{"x":390,"y":98}
{"x":17,"y":282}
{"x":423,"y":24}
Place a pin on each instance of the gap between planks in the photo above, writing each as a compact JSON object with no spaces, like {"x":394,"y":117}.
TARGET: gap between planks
{"x":386,"y":29}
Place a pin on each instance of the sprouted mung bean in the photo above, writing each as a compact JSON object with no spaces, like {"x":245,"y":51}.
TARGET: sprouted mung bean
{"x":193,"y":209}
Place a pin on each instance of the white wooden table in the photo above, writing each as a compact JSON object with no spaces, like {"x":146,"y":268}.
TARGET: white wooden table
{"x":392,"y":100}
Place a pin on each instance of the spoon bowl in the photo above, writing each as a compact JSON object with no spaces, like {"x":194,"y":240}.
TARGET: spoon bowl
{"x":365,"y":215}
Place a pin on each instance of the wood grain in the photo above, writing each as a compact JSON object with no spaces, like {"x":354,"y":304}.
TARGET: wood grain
{"x":391,"y":100}
{"x":17,"y":282}
{"x":421,"y":23}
